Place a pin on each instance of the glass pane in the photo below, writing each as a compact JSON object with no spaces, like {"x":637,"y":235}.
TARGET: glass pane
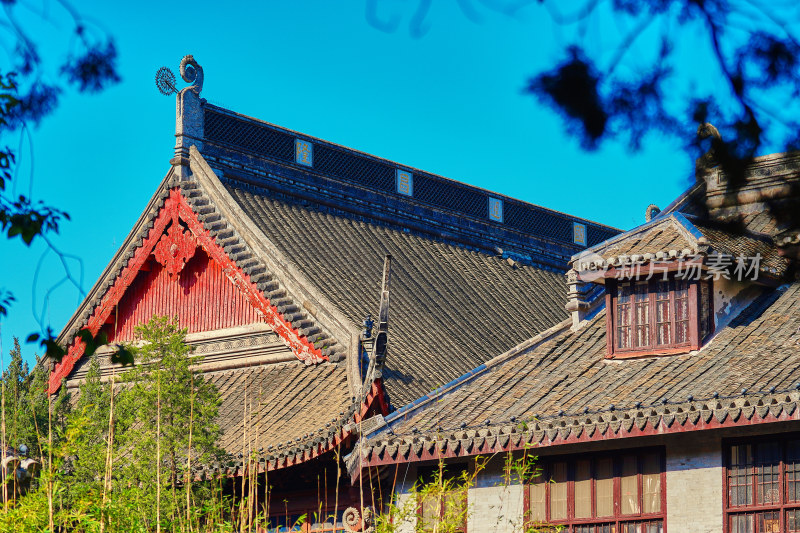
{"x":765,"y":522}
{"x":558,"y":492}
{"x":537,"y":498}
{"x":740,"y":475}
{"x":768,"y":458}
{"x":793,"y":521}
{"x":641,"y":312}
{"x":793,"y":471}
{"x":595,"y":528}
{"x":663,"y":318}
{"x":768,"y":522}
{"x":629,"y":486}
{"x":741,"y":524}
{"x":624,"y":316}
{"x":583,"y":489}
{"x":651,"y":483}
{"x":625,"y":292}
{"x":681,"y":312}
{"x":604,"y":487}
{"x":649,"y":526}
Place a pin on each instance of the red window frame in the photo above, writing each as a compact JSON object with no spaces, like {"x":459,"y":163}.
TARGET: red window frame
{"x":786,"y":467}
{"x":618,"y":310}
{"x":616,"y":522}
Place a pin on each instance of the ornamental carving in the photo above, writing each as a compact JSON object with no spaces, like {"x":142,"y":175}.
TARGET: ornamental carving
{"x":175,"y":248}
{"x":353,"y":521}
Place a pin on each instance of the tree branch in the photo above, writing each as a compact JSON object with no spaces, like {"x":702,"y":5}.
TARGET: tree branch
{"x":566,"y":20}
{"x":626,"y":43}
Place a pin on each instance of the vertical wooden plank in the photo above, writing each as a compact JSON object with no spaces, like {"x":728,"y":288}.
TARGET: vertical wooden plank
{"x":694,"y":316}
{"x":203,"y":298}
{"x":610,"y":288}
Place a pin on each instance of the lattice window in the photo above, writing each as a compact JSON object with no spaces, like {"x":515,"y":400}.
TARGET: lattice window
{"x":604,"y":493}
{"x":657,"y":316}
{"x":763,"y":486}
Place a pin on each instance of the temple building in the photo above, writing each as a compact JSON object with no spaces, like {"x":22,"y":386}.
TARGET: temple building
{"x":364,"y":321}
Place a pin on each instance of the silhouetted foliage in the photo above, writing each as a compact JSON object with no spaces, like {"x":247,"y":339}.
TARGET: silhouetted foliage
{"x":755,"y":59}
{"x":599,"y":103}
{"x":94,"y":70}
{"x":572,"y":88}
{"x":25,"y":99}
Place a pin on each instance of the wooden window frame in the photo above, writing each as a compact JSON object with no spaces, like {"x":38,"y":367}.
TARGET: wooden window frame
{"x":612,"y":318}
{"x":617,"y":519}
{"x":783,"y":506}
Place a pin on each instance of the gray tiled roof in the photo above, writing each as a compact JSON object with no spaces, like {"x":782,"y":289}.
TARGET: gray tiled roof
{"x":451,"y":308}
{"x":678,"y":235}
{"x":564,"y":389}
{"x":756,"y":351}
{"x":280,"y":405}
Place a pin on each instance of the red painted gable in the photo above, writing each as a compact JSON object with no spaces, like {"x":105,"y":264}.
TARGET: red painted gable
{"x":202,"y":298}
{"x":179,"y":253}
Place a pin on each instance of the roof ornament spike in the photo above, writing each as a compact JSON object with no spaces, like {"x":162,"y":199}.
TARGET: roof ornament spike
{"x":192,"y":72}
{"x":708,"y":139}
{"x":381,"y":339}
{"x":651,"y":212}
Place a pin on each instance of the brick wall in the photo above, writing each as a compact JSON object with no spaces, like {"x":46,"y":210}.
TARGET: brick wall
{"x":694,"y":485}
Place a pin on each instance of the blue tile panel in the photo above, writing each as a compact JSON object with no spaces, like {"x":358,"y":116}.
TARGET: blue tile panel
{"x":303,"y":153}
{"x":579,"y":233}
{"x":496,"y":209}
{"x":405,"y":182}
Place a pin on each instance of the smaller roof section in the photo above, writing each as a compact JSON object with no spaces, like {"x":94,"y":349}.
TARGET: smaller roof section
{"x":679,"y":237}
{"x":558,"y":388}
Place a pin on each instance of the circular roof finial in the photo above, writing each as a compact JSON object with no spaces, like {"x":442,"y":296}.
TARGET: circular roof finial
{"x":191,"y":72}
{"x":165,"y":81}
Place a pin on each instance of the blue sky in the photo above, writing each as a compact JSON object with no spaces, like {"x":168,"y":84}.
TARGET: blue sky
{"x":450,"y":102}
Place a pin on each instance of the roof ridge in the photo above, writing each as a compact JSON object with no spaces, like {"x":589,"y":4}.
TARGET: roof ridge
{"x":452,"y":181}
{"x":314,"y":303}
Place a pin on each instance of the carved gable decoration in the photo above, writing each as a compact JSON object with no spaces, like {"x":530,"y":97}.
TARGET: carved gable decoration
{"x":175,"y":248}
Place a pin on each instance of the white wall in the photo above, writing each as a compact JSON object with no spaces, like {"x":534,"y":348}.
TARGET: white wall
{"x":494,"y":505}
{"x":694,"y":485}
